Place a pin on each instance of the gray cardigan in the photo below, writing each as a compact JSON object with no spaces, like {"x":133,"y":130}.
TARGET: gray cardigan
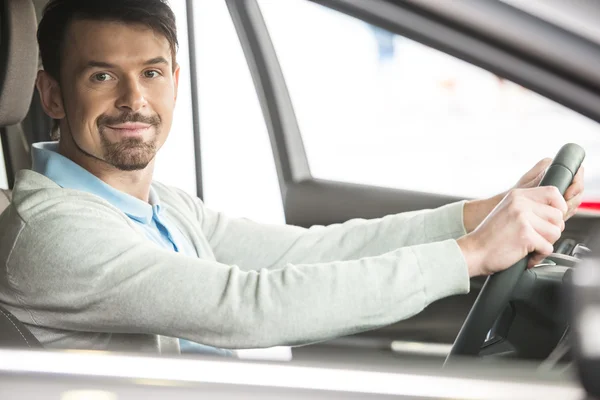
{"x":82,"y":275}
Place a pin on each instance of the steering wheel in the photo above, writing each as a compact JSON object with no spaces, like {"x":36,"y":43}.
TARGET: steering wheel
{"x":498,"y":288}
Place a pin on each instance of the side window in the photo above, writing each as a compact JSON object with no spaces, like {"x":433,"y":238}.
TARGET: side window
{"x":380,"y":109}
{"x":238,"y":170}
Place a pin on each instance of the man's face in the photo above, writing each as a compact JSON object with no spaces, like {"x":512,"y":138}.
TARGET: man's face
{"x":118,"y":90}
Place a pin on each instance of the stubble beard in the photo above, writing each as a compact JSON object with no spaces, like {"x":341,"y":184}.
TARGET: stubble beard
{"x":130,"y":154}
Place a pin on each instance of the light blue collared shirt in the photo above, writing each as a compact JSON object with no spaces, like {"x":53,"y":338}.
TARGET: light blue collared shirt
{"x":149,"y":216}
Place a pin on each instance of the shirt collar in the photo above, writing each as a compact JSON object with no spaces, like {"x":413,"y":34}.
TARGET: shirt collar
{"x":67,"y":174}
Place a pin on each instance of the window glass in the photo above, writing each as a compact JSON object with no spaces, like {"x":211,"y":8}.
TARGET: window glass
{"x":239,"y":174}
{"x":380,"y":109}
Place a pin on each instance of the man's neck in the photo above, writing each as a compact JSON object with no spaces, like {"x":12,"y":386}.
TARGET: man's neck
{"x":135,"y":183}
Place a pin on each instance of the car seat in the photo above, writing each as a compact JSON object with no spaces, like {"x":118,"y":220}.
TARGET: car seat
{"x":18,"y":68}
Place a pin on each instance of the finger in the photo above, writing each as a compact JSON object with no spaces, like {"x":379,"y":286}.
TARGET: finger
{"x":542,"y":248}
{"x":576,"y":186}
{"x":539,"y":167}
{"x":548,"y":231}
{"x":573,"y":205}
{"x":534,"y":175}
{"x":548,"y":195}
{"x":550,"y":214}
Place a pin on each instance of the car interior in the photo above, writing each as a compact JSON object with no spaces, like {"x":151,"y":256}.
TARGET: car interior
{"x":17,"y":76}
{"x":534,"y":326}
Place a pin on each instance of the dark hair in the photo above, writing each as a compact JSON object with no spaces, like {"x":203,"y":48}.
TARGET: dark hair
{"x":58,"y":15}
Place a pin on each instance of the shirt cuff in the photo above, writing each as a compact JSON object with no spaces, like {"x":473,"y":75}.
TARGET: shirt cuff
{"x":444,"y":270}
{"x":446,"y":222}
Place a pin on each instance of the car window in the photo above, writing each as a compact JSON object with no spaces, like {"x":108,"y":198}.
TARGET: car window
{"x":380,"y":109}
{"x":239,"y":175}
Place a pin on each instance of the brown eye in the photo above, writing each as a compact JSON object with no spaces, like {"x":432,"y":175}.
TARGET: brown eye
{"x":102,"y":77}
{"x":151,"y":74}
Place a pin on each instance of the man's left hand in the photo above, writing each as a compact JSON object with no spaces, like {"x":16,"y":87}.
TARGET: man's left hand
{"x":573,"y":194}
{"x":477,"y":210}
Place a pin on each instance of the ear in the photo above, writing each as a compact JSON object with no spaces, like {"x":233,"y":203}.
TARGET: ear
{"x":176,"y":80}
{"x":50,"y":95}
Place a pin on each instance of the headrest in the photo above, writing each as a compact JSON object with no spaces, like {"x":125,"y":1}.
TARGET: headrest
{"x":18,"y":59}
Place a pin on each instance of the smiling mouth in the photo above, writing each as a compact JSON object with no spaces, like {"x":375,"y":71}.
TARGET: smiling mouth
{"x":130,"y":130}
{"x":129,"y":127}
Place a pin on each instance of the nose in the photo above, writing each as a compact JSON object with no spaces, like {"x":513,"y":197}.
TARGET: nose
{"x":131,"y":97}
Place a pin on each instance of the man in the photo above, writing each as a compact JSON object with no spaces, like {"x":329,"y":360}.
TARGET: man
{"x":97,"y":255}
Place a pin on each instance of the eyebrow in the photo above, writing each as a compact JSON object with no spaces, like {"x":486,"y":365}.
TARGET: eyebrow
{"x":157,"y":60}
{"x":102,"y":64}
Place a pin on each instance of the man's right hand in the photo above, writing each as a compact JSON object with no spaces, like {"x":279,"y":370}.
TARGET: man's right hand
{"x":525,"y":221}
